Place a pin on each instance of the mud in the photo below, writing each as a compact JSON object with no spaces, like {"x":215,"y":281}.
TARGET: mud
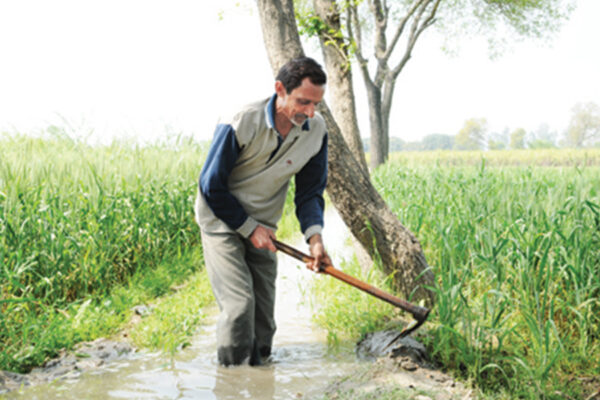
{"x":69,"y":365}
{"x":405,"y":365}
{"x":377,"y":344}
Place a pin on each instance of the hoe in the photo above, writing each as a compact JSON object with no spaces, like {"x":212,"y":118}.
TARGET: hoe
{"x":419,"y":313}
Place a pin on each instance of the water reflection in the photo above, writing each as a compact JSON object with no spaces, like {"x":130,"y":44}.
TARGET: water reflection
{"x":256,"y":383}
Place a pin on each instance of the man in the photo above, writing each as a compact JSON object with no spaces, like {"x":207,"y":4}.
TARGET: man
{"x":242,"y":191}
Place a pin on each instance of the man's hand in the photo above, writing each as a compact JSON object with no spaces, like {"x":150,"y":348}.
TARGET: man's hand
{"x":261,"y":238}
{"x":317,"y":250}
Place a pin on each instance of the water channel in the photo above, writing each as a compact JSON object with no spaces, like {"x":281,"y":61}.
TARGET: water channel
{"x":302,"y":365}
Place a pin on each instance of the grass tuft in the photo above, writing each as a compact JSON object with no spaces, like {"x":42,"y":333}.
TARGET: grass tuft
{"x":346,"y":312}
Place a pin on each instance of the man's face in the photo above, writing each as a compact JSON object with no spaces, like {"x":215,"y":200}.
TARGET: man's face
{"x":300,"y":104}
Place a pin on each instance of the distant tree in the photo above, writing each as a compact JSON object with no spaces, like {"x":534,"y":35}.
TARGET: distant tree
{"x":380,"y":35}
{"x":496,"y":145}
{"x":542,"y":138}
{"x":584,"y":127}
{"x":541,"y":144}
{"x":413,"y":146}
{"x":437,"y":141}
{"x":472,"y":135}
{"x":544,"y":133}
{"x":396,"y":144}
{"x":498,"y":140}
{"x":517,"y":138}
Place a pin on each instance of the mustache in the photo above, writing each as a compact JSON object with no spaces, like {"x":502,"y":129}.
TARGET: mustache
{"x":299,"y":119}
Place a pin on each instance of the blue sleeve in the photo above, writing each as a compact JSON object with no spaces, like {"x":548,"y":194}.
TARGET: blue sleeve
{"x":310,"y":184}
{"x":219,"y":163}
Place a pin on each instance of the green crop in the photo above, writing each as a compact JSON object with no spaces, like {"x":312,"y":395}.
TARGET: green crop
{"x":513,"y":238}
{"x":516,"y":254}
{"x":77,"y":221}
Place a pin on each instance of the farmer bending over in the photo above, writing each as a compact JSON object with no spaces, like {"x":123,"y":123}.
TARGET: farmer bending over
{"x":242,"y":192}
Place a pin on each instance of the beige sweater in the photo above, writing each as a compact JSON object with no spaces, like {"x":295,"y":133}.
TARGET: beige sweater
{"x":249,"y":166}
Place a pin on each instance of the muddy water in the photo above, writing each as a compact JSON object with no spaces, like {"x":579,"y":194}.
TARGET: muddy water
{"x":301,"y":363}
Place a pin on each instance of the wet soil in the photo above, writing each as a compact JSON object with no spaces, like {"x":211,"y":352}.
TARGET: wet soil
{"x":69,"y":365}
{"x":402,"y":371}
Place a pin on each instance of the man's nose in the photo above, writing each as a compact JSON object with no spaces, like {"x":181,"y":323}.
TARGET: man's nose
{"x":310,"y":110}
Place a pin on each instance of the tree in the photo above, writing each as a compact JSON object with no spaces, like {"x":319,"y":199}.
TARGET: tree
{"x":517,"y":138}
{"x":537,"y":144}
{"x":363,"y":210}
{"x":396,"y":144}
{"x":386,"y":22}
{"x":543,"y":138}
{"x":496,"y":145}
{"x":337,"y":63}
{"x":584,"y":126}
{"x":472,"y":135}
{"x":437,"y":141}
{"x":498,"y":140}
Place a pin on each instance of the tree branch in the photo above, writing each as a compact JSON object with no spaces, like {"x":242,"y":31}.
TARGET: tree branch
{"x":401,"y":26}
{"x":337,"y":44}
{"x":381,"y":20}
{"x":416,"y":31}
{"x":380,"y":42}
{"x":352,"y":17}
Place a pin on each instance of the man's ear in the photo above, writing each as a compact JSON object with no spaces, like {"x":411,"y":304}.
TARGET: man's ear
{"x":280,"y":89}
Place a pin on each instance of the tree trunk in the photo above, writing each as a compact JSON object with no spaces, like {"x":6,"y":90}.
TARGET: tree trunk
{"x":376,"y":123}
{"x":386,"y":108}
{"x":339,"y":82}
{"x":361,"y":207}
{"x":419,"y":14}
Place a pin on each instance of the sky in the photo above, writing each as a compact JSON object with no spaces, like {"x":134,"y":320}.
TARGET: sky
{"x":146,"y":69}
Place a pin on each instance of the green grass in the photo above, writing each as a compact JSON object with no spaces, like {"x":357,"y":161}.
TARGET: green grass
{"x":516,"y":254}
{"x":288,"y":225}
{"x":50,"y":329}
{"x":338,"y":306}
{"x":173,"y":321}
{"x":85,"y":234}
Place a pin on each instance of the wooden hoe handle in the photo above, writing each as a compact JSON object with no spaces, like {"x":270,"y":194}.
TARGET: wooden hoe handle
{"x":419,"y":313}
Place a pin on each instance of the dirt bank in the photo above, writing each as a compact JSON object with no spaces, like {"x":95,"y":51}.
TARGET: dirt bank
{"x":400,"y":371}
{"x":69,"y":365}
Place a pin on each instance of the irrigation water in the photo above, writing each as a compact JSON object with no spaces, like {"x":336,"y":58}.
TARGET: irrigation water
{"x":302,"y":365}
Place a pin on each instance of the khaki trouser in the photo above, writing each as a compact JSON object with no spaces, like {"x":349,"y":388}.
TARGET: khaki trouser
{"x":243,"y":282}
